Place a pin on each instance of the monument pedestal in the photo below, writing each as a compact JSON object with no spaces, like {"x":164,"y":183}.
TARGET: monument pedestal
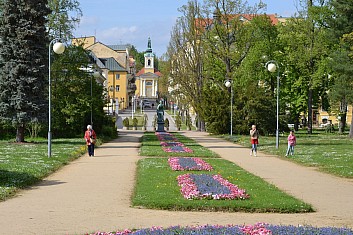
{"x":160,"y":127}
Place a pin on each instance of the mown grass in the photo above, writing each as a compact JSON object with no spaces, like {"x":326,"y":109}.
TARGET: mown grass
{"x":157,"y":186}
{"x":24,"y":164}
{"x":330,"y":153}
{"x":151,"y":146}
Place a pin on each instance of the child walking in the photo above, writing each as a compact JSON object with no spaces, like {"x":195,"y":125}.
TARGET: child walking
{"x":254,"y":140}
{"x":292,"y":140}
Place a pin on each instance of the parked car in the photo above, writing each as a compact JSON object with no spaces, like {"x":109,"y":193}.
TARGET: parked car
{"x":147,"y":104}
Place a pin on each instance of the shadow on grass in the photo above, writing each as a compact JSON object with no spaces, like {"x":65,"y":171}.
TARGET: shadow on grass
{"x":16,"y":179}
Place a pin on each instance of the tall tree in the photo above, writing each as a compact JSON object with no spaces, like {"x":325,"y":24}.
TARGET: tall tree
{"x":185,"y":56}
{"x":72,"y":100}
{"x":305,"y":45}
{"x":228,"y":37}
{"x":341,"y":25}
{"x":23,"y":65}
{"x":65,"y":16}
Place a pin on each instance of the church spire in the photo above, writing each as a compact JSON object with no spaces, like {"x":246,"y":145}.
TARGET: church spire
{"x":149,"y":47}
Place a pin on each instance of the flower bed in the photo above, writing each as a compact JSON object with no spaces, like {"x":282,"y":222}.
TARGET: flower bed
{"x":165,"y":136}
{"x":187,"y":163}
{"x":257,"y":229}
{"x":168,"y":144}
{"x":205,"y":186}
{"x":177,"y":149}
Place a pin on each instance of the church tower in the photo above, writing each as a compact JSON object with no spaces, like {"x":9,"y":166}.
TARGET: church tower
{"x":149,"y":58}
{"x":147,"y":78}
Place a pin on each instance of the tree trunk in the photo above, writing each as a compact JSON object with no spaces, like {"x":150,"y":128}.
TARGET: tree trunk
{"x":342,"y":123}
{"x":351,"y":128}
{"x":20,"y":133}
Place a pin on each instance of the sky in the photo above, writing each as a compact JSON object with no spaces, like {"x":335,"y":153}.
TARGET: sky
{"x":134,"y":21}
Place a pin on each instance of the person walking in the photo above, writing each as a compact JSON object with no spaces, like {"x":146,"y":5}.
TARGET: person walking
{"x":254,"y":139}
{"x":292,"y":141}
{"x":90,"y":137}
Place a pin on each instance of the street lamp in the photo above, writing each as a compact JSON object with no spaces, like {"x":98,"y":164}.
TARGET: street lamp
{"x":272,"y":66}
{"x":228,"y":83}
{"x":58,"y":48}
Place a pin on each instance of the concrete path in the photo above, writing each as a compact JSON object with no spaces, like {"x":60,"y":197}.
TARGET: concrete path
{"x":93,"y":194}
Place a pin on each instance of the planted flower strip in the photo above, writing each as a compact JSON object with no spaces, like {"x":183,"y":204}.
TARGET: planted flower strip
{"x":177,"y":149}
{"x":168,"y":144}
{"x":194,"y":186}
{"x":257,"y":229}
{"x":187,"y":163}
{"x":165,"y":136}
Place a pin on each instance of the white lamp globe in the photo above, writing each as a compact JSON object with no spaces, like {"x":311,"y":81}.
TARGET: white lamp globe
{"x":59,"y":48}
{"x":96,"y":74}
{"x":271,"y":67}
{"x":227,"y":83}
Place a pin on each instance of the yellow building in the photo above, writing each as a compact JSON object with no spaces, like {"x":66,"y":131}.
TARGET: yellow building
{"x":118,"y":69}
{"x":322,"y":117}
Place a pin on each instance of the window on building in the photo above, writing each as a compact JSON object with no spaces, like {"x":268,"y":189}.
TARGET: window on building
{"x":117,"y":88}
{"x":117,"y":76}
{"x":149,"y":62}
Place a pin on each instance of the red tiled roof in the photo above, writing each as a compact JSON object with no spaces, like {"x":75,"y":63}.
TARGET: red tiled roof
{"x":249,"y":17}
{"x":142,"y":71}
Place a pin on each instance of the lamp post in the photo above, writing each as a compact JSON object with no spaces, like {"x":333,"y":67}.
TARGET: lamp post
{"x":58,"y":48}
{"x":272,"y":66}
{"x":228,"y":83}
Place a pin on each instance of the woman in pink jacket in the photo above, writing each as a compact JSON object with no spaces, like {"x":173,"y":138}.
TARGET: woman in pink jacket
{"x":90,"y":137}
{"x":292,"y":140}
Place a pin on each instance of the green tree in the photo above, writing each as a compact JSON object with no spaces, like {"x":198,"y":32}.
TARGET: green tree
{"x":138,"y":57}
{"x":305,"y":49}
{"x":342,"y":89}
{"x":65,"y":16}
{"x":23,"y":63}
{"x":185,"y":60}
{"x":341,"y":26}
{"x":71,"y":94}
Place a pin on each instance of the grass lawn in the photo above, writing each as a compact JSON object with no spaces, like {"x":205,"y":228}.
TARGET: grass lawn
{"x":330,"y":153}
{"x":23,"y":164}
{"x":157,"y":186}
{"x":151,"y":146}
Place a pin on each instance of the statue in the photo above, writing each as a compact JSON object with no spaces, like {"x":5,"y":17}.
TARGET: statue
{"x":160,"y":112}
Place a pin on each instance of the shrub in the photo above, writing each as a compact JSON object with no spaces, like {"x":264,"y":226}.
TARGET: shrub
{"x":134,"y":122}
{"x":155,"y":121}
{"x":145,"y":118}
{"x":126,"y":122}
{"x":108,"y":131}
{"x":166,"y":122}
{"x":178,"y":121}
{"x":188,"y":121}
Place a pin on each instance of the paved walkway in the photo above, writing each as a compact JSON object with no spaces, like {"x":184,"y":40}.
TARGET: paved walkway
{"x":93,"y":194}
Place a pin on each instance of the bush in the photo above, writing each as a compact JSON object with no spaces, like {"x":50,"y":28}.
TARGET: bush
{"x":166,"y":122}
{"x":126,"y":122}
{"x":178,"y":121}
{"x":134,"y":122}
{"x":145,"y":118}
{"x":108,"y":131}
{"x":188,"y":121}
